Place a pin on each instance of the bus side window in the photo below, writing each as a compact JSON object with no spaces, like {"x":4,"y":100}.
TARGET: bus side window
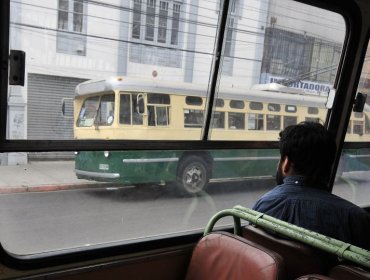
{"x":310,"y":119}
{"x":273,"y":122}
{"x":367,"y":124}
{"x":106,"y":110}
{"x":125,"y":109}
{"x":137,"y":117}
{"x":193,"y":118}
{"x":218,"y":120}
{"x":158,"y":109}
{"x":289,"y":120}
{"x":236,"y":120}
{"x":358,"y":127}
{"x":255,"y":121}
{"x":128,"y":113}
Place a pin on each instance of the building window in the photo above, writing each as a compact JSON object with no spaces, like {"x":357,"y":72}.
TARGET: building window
{"x":230,"y":36}
{"x":158,"y":23}
{"x":136,"y":21}
{"x":162,"y":21}
{"x":150,"y":20}
{"x":296,"y":57}
{"x":71,"y":37}
{"x":175,"y":24}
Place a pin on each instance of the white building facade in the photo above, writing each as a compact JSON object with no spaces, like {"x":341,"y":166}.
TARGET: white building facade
{"x":70,"y":41}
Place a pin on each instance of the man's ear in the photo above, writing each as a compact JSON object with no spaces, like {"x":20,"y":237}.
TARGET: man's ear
{"x":286,"y":166}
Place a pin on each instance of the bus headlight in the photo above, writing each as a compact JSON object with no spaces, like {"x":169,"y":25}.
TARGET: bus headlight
{"x":106,"y":154}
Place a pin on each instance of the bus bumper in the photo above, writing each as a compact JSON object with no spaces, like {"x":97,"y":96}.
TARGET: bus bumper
{"x":96,"y":175}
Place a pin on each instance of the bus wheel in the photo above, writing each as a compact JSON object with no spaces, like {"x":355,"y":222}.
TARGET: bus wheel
{"x":192,"y":175}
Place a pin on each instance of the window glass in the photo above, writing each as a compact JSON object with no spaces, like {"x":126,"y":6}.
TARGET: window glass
{"x":273,"y":107}
{"x":353,"y":173}
{"x":193,"y":118}
{"x":136,"y":21}
{"x":158,"y":98}
{"x":125,"y":109}
{"x":175,"y":24}
{"x":289,"y":120}
{"x":236,"y":104}
{"x":158,"y":115}
{"x":255,"y":122}
{"x":313,"y":110}
{"x":88,"y":111}
{"x":129,"y":110}
{"x":150,"y":20}
{"x":71,"y":22}
{"x":273,"y":122}
{"x":135,"y":70}
{"x":220,"y":103}
{"x":358,"y":115}
{"x":191,"y":100}
{"x":290,"y":108}
{"x":358,"y":127}
{"x":310,"y":119}
{"x":63,"y":14}
{"x":236,"y":120}
{"x":162,"y":21}
{"x":256,"y":106}
{"x":218,"y":120}
{"x":105,"y":115}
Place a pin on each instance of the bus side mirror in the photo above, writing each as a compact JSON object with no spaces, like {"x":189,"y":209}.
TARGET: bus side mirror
{"x":140,"y":104}
{"x":359,"y":102}
{"x":67,"y":108}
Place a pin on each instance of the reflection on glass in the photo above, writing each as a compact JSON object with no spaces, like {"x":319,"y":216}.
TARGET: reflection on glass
{"x":353,"y":175}
{"x":139,"y":70}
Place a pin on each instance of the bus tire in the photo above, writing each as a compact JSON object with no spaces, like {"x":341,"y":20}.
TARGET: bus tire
{"x":192,"y":175}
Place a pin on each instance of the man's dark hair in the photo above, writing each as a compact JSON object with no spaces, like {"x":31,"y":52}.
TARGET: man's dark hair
{"x":311,"y":150}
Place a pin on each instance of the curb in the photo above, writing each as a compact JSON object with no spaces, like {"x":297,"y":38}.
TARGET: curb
{"x":50,"y":188}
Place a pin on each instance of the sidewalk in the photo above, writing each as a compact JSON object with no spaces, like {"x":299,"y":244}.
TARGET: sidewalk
{"x":39,"y":176}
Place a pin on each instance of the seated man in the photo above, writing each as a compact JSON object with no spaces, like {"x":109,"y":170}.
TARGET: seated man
{"x":307,"y":152}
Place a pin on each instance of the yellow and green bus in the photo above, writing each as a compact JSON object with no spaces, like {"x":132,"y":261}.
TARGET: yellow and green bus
{"x":137,"y":109}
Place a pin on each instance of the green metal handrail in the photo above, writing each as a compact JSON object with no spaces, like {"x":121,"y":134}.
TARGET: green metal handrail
{"x":341,"y":249}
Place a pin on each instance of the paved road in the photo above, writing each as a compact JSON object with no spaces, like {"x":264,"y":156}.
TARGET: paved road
{"x":35,"y":219}
{"x":44,"y":221}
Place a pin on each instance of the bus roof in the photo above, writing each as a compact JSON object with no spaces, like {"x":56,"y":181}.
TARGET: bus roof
{"x":260,"y":93}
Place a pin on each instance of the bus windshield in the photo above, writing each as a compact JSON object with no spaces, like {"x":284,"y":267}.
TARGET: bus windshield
{"x":96,"y":110}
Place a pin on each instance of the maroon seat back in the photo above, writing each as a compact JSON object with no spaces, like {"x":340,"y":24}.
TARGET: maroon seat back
{"x":222,"y":255}
{"x":349,"y":272}
{"x":299,"y":259}
{"x":315,"y":277}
